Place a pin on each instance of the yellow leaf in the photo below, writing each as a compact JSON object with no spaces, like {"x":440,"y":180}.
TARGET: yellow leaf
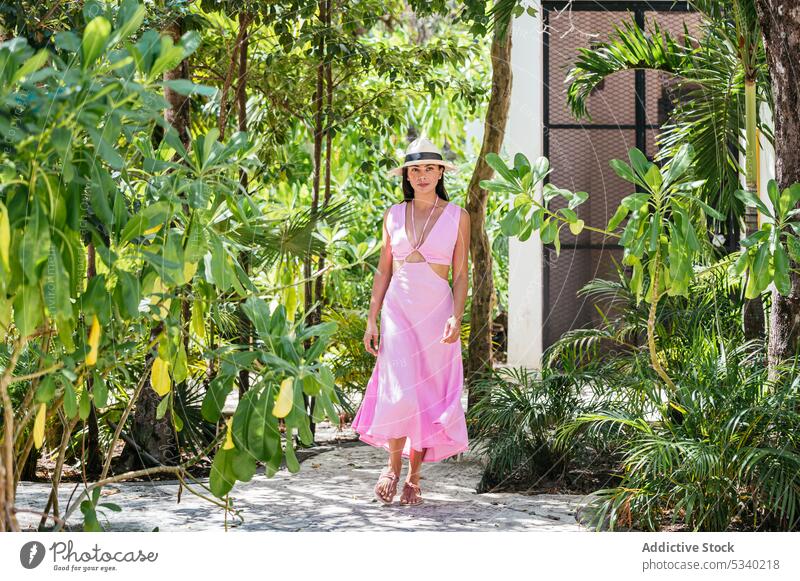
{"x":189,"y":269}
{"x":38,"y":426}
{"x":576,"y":227}
{"x":198,"y":323}
{"x":154,"y":229}
{"x":229,"y":435}
{"x":157,"y":294}
{"x":94,"y":341}
{"x":5,"y":235}
{"x":285,"y":397}
{"x":159,"y":376}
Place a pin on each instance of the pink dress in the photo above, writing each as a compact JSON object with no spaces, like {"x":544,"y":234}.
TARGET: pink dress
{"x":416,"y":384}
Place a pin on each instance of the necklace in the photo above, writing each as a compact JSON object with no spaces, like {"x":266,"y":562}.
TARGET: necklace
{"x":414,"y":228}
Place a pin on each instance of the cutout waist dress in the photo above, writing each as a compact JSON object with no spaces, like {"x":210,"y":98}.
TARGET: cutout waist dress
{"x":416,"y":385}
{"x":438,"y":242}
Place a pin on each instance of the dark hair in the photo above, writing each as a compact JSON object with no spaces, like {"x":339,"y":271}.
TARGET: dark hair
{"x":408,"y":189}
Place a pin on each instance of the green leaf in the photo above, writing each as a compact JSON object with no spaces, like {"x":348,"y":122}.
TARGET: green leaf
{"x":222,"y":476}
{"x":639,"y":162}
{"x":624,"y":171}
{"x":99,"y":391}
{"x":243,"y":466}
{"x":57,"y":286}
{"x":635,"y":201}
{"x":28,"y":310}
{"x":94,"y":40}
{"x":263,"y":435}
{"x":549,"y":230}
{"x":163,"y":406}
{"x":781,"y":264}
{"x":46,"y":390}
{"x":522,"y":165}
{"x":129,"y":19}
{"x":617,"y":218}
{"x":540,"y":168}
{"x":70,"y":400}
{"x":774,"y":195}
{"x":67,"y":41}
{"x":169,"y":57}
{"x":512,"y":222}
{"x":653,"y":178}
{"x":569,"y":214}
{"x":31,"y":65}
{"x":90,"y":522}
{"x":497,"y":163}
{"x":85,"y":405}
{"x":291,"y":459}
{"x":679,"y":164}
{"x":750,"y":199}
{"x":214,"y":400}
{"x":188,"y":88}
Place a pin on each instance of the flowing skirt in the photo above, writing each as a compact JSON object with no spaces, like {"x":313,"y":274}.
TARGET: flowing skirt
{"x":416,"y":384}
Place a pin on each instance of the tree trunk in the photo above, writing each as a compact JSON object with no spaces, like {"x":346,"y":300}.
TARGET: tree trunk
{"x":311,"y":314}
{"x":245,"y":337}
{"x":780,"y":25}
{"x":178,"y":113}
{"x":93,"y":461}
{"x":323,"y":124}
{"x":479,"y":358}
{"x":154,"y":436}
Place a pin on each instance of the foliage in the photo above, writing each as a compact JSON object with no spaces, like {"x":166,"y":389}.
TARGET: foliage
{"x":513,"y":421}
{"x":720,"y":78}
{"x":165,"y":223}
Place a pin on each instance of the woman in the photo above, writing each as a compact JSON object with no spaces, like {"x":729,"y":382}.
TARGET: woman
{"x":412,"y":404}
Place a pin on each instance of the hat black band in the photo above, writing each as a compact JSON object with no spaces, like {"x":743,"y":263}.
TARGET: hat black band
{"x":423,"y":155}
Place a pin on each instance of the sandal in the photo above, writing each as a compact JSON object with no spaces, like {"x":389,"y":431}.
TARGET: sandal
{"x":415,"y":494}
{"x":393,"y":478}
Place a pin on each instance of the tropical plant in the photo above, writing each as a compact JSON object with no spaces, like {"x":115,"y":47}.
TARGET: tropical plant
{"x":513,"y":420}
{"x":721,"y":79}
{"x":80,"y":170}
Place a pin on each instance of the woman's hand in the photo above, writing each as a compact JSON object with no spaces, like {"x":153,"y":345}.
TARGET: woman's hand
{"x":371,"y":337}
{"x":452,"y":330}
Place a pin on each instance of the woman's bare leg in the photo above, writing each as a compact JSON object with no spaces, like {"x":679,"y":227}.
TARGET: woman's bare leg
{"x":414,"y":465}
{"x":395,"y":463}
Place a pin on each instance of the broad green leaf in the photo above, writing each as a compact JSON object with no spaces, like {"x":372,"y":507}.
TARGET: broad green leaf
{"x":129,"y":19}
{"x":263,"y":436}
{"x":497,"y":163}
{"x":214,"y":400}
{"x":31,"y":65}
{"x":291,"y":459}
{"x":617,"y":218}
{"x":94,"y":40}
{"x":28,"y":310}
{"x":653,"y":178}
{"x":781,"y":264}
{"x":222,"y":477}
{"x":639,"y":162}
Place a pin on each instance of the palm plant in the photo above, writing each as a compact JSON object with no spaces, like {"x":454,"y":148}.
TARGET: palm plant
{"x":723,"y":77}
{"x":513,"y":419}
{"x":732,"y":459}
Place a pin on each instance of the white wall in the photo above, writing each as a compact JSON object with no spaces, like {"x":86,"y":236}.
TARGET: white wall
{"x":524,"y":134}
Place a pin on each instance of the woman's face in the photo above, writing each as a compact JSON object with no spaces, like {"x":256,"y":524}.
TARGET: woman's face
{"x":423,"y":178}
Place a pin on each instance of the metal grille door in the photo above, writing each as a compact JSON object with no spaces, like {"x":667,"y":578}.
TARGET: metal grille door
{"x":627,"y":109}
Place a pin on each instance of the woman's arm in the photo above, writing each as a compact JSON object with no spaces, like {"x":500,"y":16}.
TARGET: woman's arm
{"x":461,"y":266}
{"x":379,"y":285}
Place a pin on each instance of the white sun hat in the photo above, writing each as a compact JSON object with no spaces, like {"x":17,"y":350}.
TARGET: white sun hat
{"x":422,"y":151}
